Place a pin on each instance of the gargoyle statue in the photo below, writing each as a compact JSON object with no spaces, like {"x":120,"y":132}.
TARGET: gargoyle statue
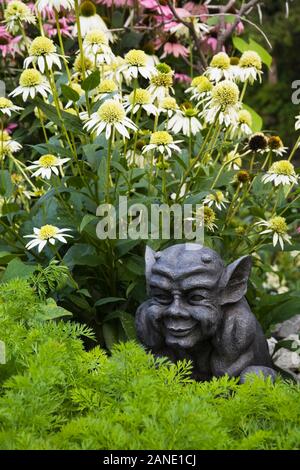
{"x":197,"y":310}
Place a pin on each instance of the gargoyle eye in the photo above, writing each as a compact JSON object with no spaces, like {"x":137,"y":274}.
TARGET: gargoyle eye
{"x":163,"y":299}
{"x":195,"y":298}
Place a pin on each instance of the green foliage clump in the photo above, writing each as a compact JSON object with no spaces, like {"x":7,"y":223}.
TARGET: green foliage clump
{"x":49,"y":279}
{"x":56,"y":395}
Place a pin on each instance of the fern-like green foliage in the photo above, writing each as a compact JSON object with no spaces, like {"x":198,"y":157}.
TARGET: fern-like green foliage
{"x":56,"y":395}
{"x":50,"y":279}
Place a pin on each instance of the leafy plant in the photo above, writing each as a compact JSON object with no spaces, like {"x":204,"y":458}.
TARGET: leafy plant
{"x":50,"y":279}
{"x":56,"y":395}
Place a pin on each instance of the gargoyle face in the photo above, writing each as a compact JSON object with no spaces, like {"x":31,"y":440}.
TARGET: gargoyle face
{"x":188,"y":284}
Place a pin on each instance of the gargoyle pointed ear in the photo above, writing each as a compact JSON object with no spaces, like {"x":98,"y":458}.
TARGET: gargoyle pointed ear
{"x":233,"y":283}
{"x":149,"y":262}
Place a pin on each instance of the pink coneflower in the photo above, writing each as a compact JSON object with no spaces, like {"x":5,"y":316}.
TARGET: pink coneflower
{"x":175,"y":49}
{"x":10,"y":127}
{"x":66,"y":27}
{"x":209,"y":45}
{"x":212,"y":43}
{"x":9,"y":46}
{"x":166,"y":17}
{"x":182,"y":78}
{"x":197,"y":10}
{"x":150,"y":4}
{"x":116,"y":3}
{"x":239,"y":29}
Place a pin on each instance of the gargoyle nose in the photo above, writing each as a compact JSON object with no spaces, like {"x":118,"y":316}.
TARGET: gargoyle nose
{"x":176,"y":309}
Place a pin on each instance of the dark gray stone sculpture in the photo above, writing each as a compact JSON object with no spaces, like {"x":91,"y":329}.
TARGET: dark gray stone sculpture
{"x":197,"y":310}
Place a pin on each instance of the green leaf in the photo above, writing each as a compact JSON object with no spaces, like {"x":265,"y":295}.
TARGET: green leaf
{"x":71,"y":122}
{"x":6,"y":256}
{"x":240,"y":44}
{"x":69,"y":93}
{"x":91,"y":82}
{"x":17,"y":269}
{"x":230,"y":19}
{"x":108,"y":300}
{"x":283,"y":312}
{"x":80,"y":302}
{"x":6,"y":186}
{"x":51,"y":311}
{"x":257,"y":122}
{"x":81,"y":255}
{"x":10,"y":208}
{"x":49,"y":148}
{"x":86,"y":220}
{"x":128,"y":325}
{"x":213,"y":21}
{"x":261,"y":51}
{"x":110,"y":333}
{"x":124,"y":246}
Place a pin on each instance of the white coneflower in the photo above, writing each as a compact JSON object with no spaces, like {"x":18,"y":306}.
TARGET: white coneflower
{"x":89,"y":66}
{"x":46,"y":165}
{"x":140,"y":99}
{"x":106,"y":88}
{"x":111,"y":115}
{"x":242,"y":127}
{"x":136,"y":62}
{"x":96,"y":43}
{"x":90,"y":20}
{"x":15,"y":14}
{"x":185,"y":120}
{"x":282,"y":172}
{"x":217,"y":199}
{"x":116,"y":71}
{"x":7,"y":107}
{"x":182,"y":31}
{"x":134,"y":156}
{"x":31,"y":83}
{"x":152,"y":59}
{"x":54,"y":5}
{"x":220,"y":68}
{"x":209,"y":218}
{"x":162,"y":142}
{"x":200,"y":88}
{"x":278,"y":227}
{"x":276,"y":146}
{"x":233,"y":160}
{"x":224,"y":104}
{"x":8,"y":145}
{"x":161,"y":82}
{"x":250,"y":66}
{"x":169,"y":106}
{"x":42,"y":52}
{"x":205,"y":216}
{"x":47,"y":234}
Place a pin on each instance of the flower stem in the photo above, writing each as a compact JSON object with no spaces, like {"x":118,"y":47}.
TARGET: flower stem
{"x":294,"y":149}
{"x":108,"y":177}
{"x":62,"y":45}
